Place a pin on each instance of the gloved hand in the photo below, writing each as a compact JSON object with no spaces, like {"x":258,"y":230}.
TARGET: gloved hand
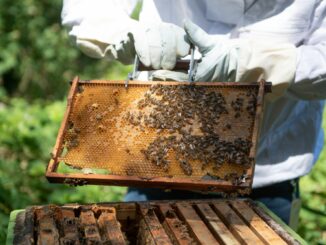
{"x":160,"y":45}
{"x":219,"y":58}
{"x":238,"y":60}
{"x":157,"y":46}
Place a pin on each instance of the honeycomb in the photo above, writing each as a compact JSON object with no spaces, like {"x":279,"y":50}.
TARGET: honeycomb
{"x":100,"y":135}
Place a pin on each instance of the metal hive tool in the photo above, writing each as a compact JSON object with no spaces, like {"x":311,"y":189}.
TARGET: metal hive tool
{"x":108,"y":131}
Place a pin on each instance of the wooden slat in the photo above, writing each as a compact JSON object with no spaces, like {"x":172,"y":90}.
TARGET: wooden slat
{"x":157,"y":182}
{"x":268,"y":85}
{"x":197,"y":226}
{"x":23,"y":228}
{"x":88,"y":224}
{"x":144,"y":236}
{"x":126,"y":211}
{"x":243,"y":233}
{"x":53,"y":164}
{"x":176,"y":230}
{"x":69,"y":226}
{"x":29,"y":226}
{"x":281,"y":229}
{"x":256,"y":223}
{"x":110,"y":227}
{"x":180,"y":65}
{"x":163,"y":222}
{"x":256,"y":127}
{"x":217,"y":226}
{"x":153,"y":225}
{"x":47,"y":230}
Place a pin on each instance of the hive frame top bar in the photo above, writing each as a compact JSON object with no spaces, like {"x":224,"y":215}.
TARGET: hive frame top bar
{"x":77,"y":178}
{"x":267,"y":85}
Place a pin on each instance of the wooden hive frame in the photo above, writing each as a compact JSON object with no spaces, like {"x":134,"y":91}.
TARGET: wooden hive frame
{"x":78,"y":178}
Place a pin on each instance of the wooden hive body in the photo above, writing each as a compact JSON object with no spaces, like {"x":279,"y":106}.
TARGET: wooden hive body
{"x":167,"y":222}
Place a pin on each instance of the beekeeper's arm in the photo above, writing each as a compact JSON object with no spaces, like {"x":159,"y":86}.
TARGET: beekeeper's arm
{"x":299,"y":72}
{"x":310,"y":76}
{"x":103,"y":29}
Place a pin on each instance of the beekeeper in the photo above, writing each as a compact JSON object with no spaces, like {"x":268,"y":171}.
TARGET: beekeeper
{"x":239,"y":40}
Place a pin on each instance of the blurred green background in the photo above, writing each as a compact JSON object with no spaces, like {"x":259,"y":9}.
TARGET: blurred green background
{"x":36,"y":62}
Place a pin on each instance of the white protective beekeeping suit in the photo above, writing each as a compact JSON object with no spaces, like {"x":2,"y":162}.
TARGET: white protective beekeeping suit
{"x":291,"y":136}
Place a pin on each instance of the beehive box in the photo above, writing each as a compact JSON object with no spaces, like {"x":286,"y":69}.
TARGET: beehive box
{"x":168,"y":222}
{"x":172,"y":135}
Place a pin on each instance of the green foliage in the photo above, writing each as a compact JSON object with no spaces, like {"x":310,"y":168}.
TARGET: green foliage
{"x":36,"y":58}
{"x":28,"y":132}
{"x":313,"y":193}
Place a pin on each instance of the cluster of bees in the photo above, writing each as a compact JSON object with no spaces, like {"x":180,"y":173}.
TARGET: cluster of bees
{"x":178,"y":224}
{"x":238,"y":104}
{"x":207,"y":149}
{"x":75,"y":182}
{"x":252,"y":102}
{"x":174,"y":107}
{"x":73,"y":133}
{"x":173,"y":111}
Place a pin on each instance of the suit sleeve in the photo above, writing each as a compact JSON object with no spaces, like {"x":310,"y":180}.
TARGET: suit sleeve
{"x":310,"y":77}
{"x":98,"y":24}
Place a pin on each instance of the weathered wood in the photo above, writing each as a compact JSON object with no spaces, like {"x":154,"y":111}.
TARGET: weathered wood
{"x":144,"y":236}
{"x":196,"y":225}
{"x":157,"y":182}
{"x":153,"y":225}
{"x":89,"y":226}
{"x":218,"y":228}
{"x":155,"y":222}
{"x":47,"y":232}
{"x":257,"y":224}
{"x":256,"y":127}
{"x":180,"y":65}
{"x":110,"y":227}
{"x":278,"y":228}
{"x":126,"y":211}
{"x":24,"y":228}
{"x":177,"y":231}
{"x":53,"y":164}
{"x":239,"y":229}
{"x":268,"y":85}
{"x":69,"y":224}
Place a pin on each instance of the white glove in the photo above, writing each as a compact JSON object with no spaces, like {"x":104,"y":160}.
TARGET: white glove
{"x":103,"y":29}
{"x":160,"y":45}
{"x":238,"y":60}
{"x":157,"y":46}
